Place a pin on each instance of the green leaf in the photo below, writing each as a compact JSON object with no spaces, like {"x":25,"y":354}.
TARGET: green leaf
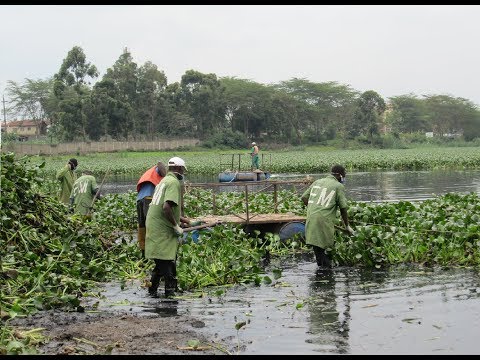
{"x":239,"y":325}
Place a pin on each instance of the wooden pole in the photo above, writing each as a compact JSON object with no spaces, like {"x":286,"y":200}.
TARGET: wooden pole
{"x":275,"y":198}
{"x":214,"y":205}
{"x":246,"y":203}
{"x":98,"y":192}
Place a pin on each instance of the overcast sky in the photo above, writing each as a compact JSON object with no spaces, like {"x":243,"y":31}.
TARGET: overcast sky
{"x":392,"y":49}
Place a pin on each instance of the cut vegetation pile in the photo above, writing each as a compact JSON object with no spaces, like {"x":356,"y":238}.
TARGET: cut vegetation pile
{"x":50,"y":258}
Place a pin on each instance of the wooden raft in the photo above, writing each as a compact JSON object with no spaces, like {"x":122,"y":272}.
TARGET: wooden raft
{"x":249,"y":218}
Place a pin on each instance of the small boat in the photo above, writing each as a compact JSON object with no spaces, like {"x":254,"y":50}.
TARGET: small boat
{"x":235,"y":176}
{"x":234,"y":173}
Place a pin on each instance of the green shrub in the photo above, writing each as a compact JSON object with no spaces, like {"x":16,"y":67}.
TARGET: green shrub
{"x":225,"y":139}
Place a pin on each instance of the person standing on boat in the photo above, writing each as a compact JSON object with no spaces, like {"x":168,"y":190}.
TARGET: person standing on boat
{"x":323,"y":198}
{"x":163,"y":228}
{"x":145,"y":188}
{"x":254,"y":154}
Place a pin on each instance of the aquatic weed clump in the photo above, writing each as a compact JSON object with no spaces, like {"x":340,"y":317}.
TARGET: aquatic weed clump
{"x":443,"y":231}
{"x":48,"y":257}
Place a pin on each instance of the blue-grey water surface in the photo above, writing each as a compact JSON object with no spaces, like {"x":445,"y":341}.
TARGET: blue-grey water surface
{"x":347,"y":310}
{"x":366,"y":186}
{"x":342,"y":311}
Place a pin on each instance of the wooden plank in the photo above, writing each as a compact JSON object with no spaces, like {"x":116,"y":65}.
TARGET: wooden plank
{"x":253,"y":219}
{"x":202,"y":226}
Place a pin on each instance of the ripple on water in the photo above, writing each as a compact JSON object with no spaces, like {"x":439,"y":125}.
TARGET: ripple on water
{"x":342,"y":311}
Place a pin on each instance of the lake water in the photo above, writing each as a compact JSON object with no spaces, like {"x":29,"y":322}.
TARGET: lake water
{"x":342,"y":311}
{"x":365,"y":186}
{"x":404,"y":310}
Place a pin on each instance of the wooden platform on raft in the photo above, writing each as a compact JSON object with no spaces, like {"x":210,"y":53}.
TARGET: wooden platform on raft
{"x":243,"y":219}
{"x":249,"y":218}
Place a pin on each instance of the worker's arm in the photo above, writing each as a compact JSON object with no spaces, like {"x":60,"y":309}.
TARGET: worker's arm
{"x":185,"y":221}
{"x":306,"y":195}
{"x":168,"y":211}
{"x":96,"y":193}
{"x":61,"y":173}
{"x":344,"y":214}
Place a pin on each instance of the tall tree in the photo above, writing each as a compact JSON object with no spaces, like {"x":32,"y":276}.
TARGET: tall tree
{"x":102,"y":109}
{"x":203,"y":95}
{"x":71,"y":87}
{"x":151,"y":104}
{"x":289,"y":117}
{"x":448,"y":114}
{"x":31,"y":100}
{"x":370,"y":106}
{"x":471,"y":123}
{"x":248,"y":106}
{"x":124,"y":75}
{"x":330,"y":103}
{"x":408,"y":114}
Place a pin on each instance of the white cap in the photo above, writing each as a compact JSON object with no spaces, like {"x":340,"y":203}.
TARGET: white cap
{"x":176,"y":161}
{"x":254,"y":143}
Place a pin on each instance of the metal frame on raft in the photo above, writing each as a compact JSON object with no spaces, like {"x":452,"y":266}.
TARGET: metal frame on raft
{"x":232,"y":163}
{"x":232,"y":170}
{"x":272,"y":220}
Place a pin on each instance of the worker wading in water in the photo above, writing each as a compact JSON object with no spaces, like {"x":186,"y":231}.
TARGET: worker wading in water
{"x":145,"y":188}
{"x":164,"y":228}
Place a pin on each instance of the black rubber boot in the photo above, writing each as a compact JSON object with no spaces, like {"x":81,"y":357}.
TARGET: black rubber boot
{"x":324,"y":262}
{"x":170,"y":286}
{"x":155,"y":280}
{"x":322,"y":258}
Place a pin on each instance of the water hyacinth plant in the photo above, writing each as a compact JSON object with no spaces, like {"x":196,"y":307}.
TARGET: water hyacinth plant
{"x":304,"y":161}
{"x":50,"y":258}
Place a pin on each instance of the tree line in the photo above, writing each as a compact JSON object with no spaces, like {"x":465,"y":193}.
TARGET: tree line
{"x":132,"y":102}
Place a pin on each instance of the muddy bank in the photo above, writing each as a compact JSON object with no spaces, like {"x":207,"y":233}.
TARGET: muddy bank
{"x":124,"y":333}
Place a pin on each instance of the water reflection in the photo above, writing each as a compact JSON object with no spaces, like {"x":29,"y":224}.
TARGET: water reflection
{"x":410,"y":185}
{"x":163,"y":308}
{"x":329,"y":327}
{"x":403,"y":310}
{"x":363,"y":186}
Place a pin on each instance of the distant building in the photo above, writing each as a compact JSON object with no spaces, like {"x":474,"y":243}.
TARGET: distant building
{"x":447,"y":135}
{"x":25,"y":129}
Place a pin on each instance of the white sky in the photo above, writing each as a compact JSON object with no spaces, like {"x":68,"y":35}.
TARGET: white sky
{"x":392,"y":49}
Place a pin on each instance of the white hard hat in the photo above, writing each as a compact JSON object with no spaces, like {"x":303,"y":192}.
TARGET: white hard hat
{"x":254,"y":143}
{"x":176,"y":161}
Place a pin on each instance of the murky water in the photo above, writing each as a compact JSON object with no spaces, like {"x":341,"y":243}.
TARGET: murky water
{"x":405,"y":185}
{"x":342,"y":311}
{"x":368,"y":186}
{"x":346,"y":310}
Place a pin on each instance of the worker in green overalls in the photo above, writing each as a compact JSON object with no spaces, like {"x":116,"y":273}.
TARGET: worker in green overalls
{"x":323,"y":198}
